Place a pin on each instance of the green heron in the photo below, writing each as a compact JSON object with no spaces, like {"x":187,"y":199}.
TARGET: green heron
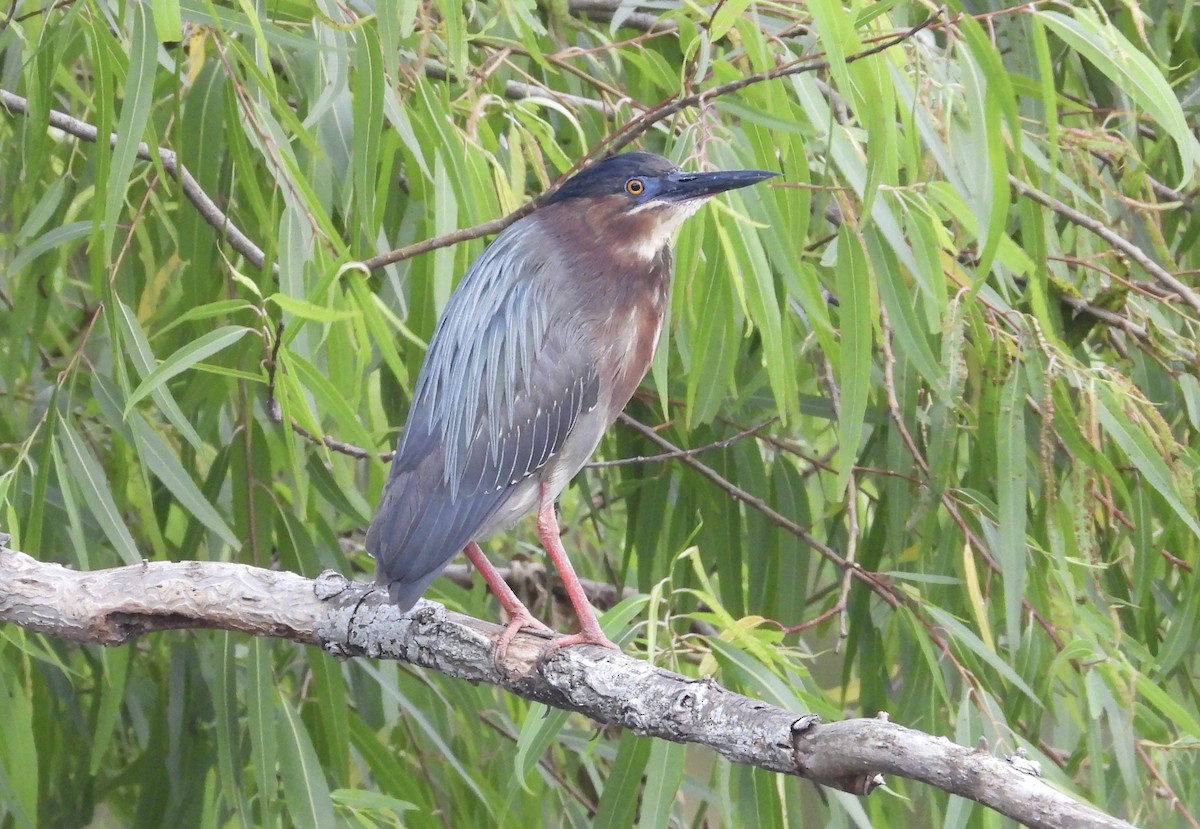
{"x":539,"y":349}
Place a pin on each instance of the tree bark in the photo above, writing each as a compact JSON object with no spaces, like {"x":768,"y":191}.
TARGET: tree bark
{"x":347,"y":619}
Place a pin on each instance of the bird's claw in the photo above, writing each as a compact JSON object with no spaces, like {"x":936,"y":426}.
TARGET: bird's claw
{"x":596,"y":637}
{"x":516,"y":622}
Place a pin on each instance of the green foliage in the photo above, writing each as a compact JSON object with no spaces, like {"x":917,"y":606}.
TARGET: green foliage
{"x":992,"y":410}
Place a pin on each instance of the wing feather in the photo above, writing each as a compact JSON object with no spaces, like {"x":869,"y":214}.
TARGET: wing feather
{"x":503,"y":384}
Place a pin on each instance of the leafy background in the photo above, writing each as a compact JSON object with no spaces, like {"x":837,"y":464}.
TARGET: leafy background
{"x":950,"y":360}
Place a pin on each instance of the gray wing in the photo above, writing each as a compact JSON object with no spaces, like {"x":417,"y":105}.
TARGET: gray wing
{"x":501,"y":390}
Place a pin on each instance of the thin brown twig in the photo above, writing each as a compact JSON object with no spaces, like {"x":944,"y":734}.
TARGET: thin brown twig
{"x":879,"y":471}
{"x":638,"y":126}
{"x":1176,"y":802}
{"x":138,"y":212}
{"x":893,"y":402}
{"x":723,"y":443}
{"x":341,"y":446}
{"x":1175,"y":560}
{"x":825,"y":615}
{"x":360,"y":453}
{"x":570,"y":69}
{"x":1111,"y":318}
{"x":466,"y":234}
{"x":1098,"y":228}
{"x":41,"y":11}
{"x":207,"y":208}
{"x":616,"y":45}
{"x":1114,"y":512}
{"x":488,"y":717}
{"x":875,"y":582}
{"x":816,"y":463}
{"x":627,"y":134}
{"x":1091,"y":265}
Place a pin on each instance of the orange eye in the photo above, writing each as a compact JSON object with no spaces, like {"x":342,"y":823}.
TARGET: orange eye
{"x":635,"y":187}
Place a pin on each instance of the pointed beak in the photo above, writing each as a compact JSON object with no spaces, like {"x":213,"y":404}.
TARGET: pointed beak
{"x":682,"y":186}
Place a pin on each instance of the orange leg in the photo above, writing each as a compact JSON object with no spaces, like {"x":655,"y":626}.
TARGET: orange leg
{"x":590,"y":632}
{"x":518,"y":615}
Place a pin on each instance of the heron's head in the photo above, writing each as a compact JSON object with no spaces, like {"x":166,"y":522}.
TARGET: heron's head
{"x":641,"y":198}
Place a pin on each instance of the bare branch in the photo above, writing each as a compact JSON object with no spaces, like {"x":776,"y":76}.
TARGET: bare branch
{"x":524,"y":91}
{"x":723,"y":443}
{"x":340,"y":446}
{"x":1102,"y":230}
{"x":207,"y":208}
{"x":774,"y":516}
{"x":466,"y":234}
{"x":114,"y":607}
{"x":642,"y":123}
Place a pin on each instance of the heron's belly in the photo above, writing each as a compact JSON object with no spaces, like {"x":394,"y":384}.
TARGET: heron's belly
{"x":521,"y":500}
{"x":545,"y":485}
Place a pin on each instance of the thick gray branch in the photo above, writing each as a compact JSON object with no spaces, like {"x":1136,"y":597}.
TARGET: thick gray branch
{"x":346,"y":619}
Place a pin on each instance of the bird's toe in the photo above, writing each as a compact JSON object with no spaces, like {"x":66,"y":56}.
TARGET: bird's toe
{"x":582,"y":638}
{"x":516,"y":623}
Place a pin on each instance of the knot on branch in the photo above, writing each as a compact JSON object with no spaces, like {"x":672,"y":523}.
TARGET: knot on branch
{"x":806,"y":753}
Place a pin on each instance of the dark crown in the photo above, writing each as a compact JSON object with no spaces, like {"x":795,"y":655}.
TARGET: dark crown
{"x":607,"y":176}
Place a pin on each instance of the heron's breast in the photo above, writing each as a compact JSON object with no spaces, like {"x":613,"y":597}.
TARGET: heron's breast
{"x":631,"y":335}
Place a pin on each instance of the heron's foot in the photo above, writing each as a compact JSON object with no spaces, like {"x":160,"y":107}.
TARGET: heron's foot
{"x":585,"y":637}
{"x":518,"y":620}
